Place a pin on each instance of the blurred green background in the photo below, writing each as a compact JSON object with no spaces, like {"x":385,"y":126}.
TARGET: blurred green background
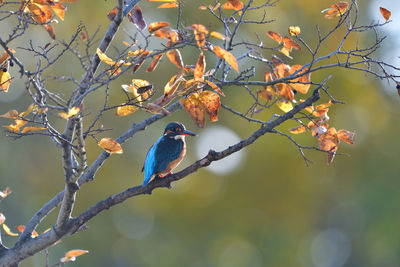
{"x":272,"y":210}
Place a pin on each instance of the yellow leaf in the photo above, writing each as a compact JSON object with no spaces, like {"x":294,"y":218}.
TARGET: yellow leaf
{"x":2,"y":218}
{"x":284,"y":105}
{"x":31,"y":108}
{"x":72,"y":254}
{"x":222,"y":53}
{"x":200,"y":68}
{"x":110,"y":145}
{"x":294,"y":30}
{"x":336,"y":10}
{"x":297,"y":130}
{"x":218,"y":35}
{"x":71,"y":113}
{"x":125,"y":110}
{"x":5,"y":80}
{"x":8,"y":231}
{"x":103,"y":57}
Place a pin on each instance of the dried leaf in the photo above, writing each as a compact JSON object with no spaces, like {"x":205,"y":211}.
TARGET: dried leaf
{"x":294,"y":30}
{"x":289,"y":44}
{"x":136,"y":17}
{"x":104,"y":58}
{"x":154,"y":63}
{"x":110,"y":145}
{"x":2,"y":218}
{"x":8,"y":231}
{"x":346,"y":136}
{"x":336,"y":10}
{"x":28,"y":111}
{"x":385,"y":13}
{"x":329,"y":142}
{"x":298,"y":130}
{"x":173,"y":84}
{"x":200,"y":28}
{"x":71,"y":113}
{"x":200,"y":38}
{"x":195,"y":108}
{"x":284,"y":105}
{"x":72,"y":254}
{"x":222,"y":53}
{"x":200,"y":68}
{"x":275,"y":36}
{"x":233,"y":4}
{"x":304,"y":81}
{"x":12,"y":114}
{"x":5,"y":80}
{"x":211,"y":103}
{"x":51,"y":32}
{"x":218,"y":35}
{"x":58,"y":9}
{"x":215,"y":87}
{"x":125,"y":110}
{"x":5,"y":55}
{"x":175,"y":57}
{"x":157,"y":25}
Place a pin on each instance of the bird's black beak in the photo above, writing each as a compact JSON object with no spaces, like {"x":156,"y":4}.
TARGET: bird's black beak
{"x":188,"y":133}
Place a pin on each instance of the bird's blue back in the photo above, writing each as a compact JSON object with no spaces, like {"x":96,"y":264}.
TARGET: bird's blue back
{"x":160,"y":154}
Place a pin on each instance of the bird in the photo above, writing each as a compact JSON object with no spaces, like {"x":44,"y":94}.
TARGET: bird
{"x":166,"y":153}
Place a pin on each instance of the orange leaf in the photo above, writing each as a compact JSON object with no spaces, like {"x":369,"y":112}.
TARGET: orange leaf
{"x":218,"y":35}
{"x":329,"y":141}
{"x":200,"y":28}
{"x":173,"y":84}
{"x":195,"y":108}
{"x":50,"y":30}
{"x":215,"y":87}
{"x":304,"y":81}
{"x":72,"y":254}
{"x":5,"y":80}
{"x":233,"y":4}
{"x":12,"y":114}
{"x":111,"y":15}
{"x":298,"y":130}
{"x":385,"y":13}
{"x":154,"y":63}
{"x":21,"y":229}
{"x":222,"y":53}
{"x":346,"y":136}
{"x":294,"y":30}
{"x":175,"y":57}
{"x":289,"y":44}
{"x":275,"y":36}
{"x":5,"y":55}
{"x":200,"y":68}
{"x":8,"y":231}
{"x":59,"y":9}
{"x":110,"y":145}
{"x":211,"y":103}
{"x":32,"y":129}
{"x":28,"y":111}
{"x":168,"y":5}
{"x":125,"y":110}
{"x":200,"y":38}
{"x":157,"y":25}
{"x":336,"y":10}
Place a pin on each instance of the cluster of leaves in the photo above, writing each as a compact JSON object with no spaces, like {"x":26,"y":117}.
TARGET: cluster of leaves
{"x":20,"y":119}
{"x":5,"y":77}
{"x":40,"y":12}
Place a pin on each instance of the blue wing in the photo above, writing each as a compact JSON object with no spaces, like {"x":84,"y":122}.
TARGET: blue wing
{"x":160,"y":154}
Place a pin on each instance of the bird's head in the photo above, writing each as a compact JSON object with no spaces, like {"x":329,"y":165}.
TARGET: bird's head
{"x":177,"y":129}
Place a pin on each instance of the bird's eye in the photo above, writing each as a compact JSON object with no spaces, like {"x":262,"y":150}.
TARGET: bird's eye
{"x":179,"y":130}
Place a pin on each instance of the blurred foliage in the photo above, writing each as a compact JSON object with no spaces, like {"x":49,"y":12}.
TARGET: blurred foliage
{"x":268,"y":213}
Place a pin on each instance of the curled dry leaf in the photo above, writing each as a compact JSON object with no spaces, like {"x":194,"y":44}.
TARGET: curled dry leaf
{"x":200,"y":68}
{"x":284,"y":105}
{"x":298,"y":130}
{"x":227,"y":56}
{"x":71,"y":113}
{"x":328,"y":142}
{"x":110,"y":145}
{"x":51,"y":32}
{"x":157,"y":25}
{"x":175,"y":57}
{"x":8,"y":231}
{"x":72,"y":254}
{"x":346,"y":136}
{"x":173,"y":84}
{"x":136,"y":17}
{"x":336,"y":10}
{"x":18,"y":123}
{"x":385,"y":13}
{"x":154,"y":63}
{"x":200,"y":28}
{"x":215,"y":87}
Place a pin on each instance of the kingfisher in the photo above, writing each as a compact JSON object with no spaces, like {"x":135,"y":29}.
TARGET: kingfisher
{"x":166,"y":153}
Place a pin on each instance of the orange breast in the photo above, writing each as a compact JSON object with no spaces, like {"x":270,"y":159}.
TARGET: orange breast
{"x":172,"y":165}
